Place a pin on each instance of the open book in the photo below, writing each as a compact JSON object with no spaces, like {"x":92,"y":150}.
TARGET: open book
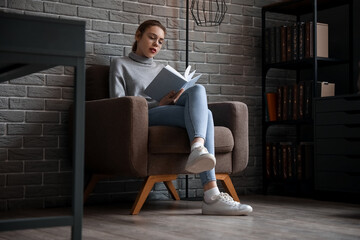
{"x":168,"y":80}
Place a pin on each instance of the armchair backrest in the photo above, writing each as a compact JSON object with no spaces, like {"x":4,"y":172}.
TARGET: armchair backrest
{"x":97,"y":82}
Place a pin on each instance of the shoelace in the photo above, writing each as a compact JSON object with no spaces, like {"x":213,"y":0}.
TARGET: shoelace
{"x":225,"y":197}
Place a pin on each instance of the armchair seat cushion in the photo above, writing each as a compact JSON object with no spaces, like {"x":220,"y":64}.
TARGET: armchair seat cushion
{"x":166,"y":139}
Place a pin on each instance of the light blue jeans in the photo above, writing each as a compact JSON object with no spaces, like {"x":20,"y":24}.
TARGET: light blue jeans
{"x":190,"y":112}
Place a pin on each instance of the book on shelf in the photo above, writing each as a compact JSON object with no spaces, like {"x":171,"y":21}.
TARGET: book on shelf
{"x":168,"y":79}
{"x":325,"y":89}
{"x":289,"y":160}
{"x":295,"y":42}
{"x":290,"y":102}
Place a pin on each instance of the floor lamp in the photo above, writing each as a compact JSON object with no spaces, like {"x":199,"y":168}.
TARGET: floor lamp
{"x":205,"y":13}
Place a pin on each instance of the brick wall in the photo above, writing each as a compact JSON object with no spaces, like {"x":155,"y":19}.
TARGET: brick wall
{"x":35,"y":170}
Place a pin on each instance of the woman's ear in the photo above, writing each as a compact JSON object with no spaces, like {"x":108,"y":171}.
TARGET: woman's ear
{"x":137,"y":35}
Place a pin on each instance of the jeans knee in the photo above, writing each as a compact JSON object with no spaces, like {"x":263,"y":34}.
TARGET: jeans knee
{"x":198,"y":89}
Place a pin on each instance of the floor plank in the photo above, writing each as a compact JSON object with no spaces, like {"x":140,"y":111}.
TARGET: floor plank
{"x":273,"y":218}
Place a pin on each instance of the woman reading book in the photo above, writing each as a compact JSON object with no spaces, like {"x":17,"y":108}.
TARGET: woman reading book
{"x":129,"y":76}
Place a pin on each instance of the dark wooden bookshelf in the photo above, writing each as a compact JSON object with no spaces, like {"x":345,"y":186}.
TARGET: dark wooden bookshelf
{"x":312,"y":66}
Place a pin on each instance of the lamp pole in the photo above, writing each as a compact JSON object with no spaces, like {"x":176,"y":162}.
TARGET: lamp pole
{"x":187,"y":64}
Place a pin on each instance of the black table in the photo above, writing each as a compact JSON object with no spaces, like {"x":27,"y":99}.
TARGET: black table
{"x":30,"y":44}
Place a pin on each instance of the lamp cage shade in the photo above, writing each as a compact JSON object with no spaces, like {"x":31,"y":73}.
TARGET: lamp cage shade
{"x":208,"y":12}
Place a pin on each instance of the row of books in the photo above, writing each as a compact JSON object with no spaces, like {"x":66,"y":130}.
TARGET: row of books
{"x":290,"y":102}
{"x":287,"y":160}
{"x":295,"y":42}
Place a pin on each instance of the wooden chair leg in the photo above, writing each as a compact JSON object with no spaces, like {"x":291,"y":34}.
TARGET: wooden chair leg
{"x":148,"y":184}
{"x":95,"y":178}
{"x":228,"y":185}
{"x":170,"y":187}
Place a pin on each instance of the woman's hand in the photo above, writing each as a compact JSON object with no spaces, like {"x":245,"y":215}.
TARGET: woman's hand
{"x":171,"y":98}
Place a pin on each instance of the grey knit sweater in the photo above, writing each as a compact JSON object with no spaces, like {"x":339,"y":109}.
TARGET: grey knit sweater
{"x":129,"y":76}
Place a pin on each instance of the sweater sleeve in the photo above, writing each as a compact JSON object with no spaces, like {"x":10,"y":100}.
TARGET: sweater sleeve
{"x":117,"y":84}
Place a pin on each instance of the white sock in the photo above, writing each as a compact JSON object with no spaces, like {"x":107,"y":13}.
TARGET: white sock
{"x":196,"y":145}
{"x":209,"y":193}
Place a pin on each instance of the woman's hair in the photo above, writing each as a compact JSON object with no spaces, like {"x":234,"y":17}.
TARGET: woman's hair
{"x":142,"y":28}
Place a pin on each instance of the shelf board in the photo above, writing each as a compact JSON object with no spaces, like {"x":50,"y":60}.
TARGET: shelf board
{"x":306,"y":63}
{"x":300,"y":7}
{"x":289,"y":122}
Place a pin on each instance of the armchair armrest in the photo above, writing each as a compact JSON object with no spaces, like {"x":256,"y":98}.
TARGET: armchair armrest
{"x":234,"y":115}
{"x":116,"y":136}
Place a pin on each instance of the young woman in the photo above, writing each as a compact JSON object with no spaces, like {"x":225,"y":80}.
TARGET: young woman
{"x":129,"y":76}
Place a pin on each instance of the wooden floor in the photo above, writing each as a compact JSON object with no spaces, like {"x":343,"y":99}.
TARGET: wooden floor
{"x":273,"y":218}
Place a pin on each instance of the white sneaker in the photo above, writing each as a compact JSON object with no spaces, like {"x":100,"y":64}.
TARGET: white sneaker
{"x":200,"y":160}
{"x":224,"y":204}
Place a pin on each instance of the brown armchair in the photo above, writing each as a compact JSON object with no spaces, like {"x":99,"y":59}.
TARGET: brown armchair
{"x":118,"y":140}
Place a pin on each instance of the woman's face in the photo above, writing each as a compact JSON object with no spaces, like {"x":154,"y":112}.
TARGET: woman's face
{"x":150,"y":43}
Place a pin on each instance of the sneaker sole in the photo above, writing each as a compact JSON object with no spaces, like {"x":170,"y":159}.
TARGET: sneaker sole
{"x":245,"y":212}
{"x":201,"y":164}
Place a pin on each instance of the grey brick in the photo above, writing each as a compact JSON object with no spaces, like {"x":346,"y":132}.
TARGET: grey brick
{"x":98,"y":59}
{"x":44,"y":92}
{"x":11,"y":116}
{"x":3,"y":154}
{"x":41,"y":166}
{"x":252,"y":31}
{"x":57,"y":153}
{"x":57,"y":8}
{"x":61,"y":81}
{"x":242,"y":40}
{"x":64,"y":141}
{"x":29,"y":5}
{"x":206,"y":47}
{"x":2,"y":180}
{"x":242,"y":20}
{"x":11,"y":167}
{"x":33,"y":203}
{"x":123,"y":17}
{"x":33,"y":79}
{"x":243,"y":60}
{"x":41,"y":191}
{"x":176,"y":45}
{"x":212,"y":89}
{"x":231,"y":69}
{"x":2,"y":129}
{"x":137,"y":8}
{"x":67,"y":93}
{"x":55,"y":129}
{"x":41,"y":117}
{"x":11,"y":192}
{"x":252,"y":71}
{"x":54,"y":70}
{"x":217,"y":38}
{"x":165,"y":11}
{"x":232,"y":49}
{"x":252,"y":11}
{"x":207,"y":68}
{"x":157,"y":2}
{"x":168,"y":55}
{"x":218,"y":58}
{"x":233,"y":90}
{"x":93,"y":13}
{"x":78,"y":2}
{"x":57,"y":105}
{"x":130,"y":29}
{"x":2,"y":4}
{"x":106,"y":26}
{"x":243,"y":2}
{"x":230,"y":28}
{"x":176,"y":23}
{"x":24,"y":179}
{"x":26,"y":154}
{"x":194,"y":57}
{"x":100,"y":37}
{"x":252,"y":91}
{"x":109,"y":4}
{"x":222,"y":79}
{"x":4,"y":103}
{"x":193,"y":36}
{"x":30,"y":142}
{"x":122,"y":39}
{"x":58,"y":178}
{"x":26,"y":103}
{"x":10,"y":142}
{"x":108,"y":49}
{"x":12,"y":91}
{"x":24,"y":129}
